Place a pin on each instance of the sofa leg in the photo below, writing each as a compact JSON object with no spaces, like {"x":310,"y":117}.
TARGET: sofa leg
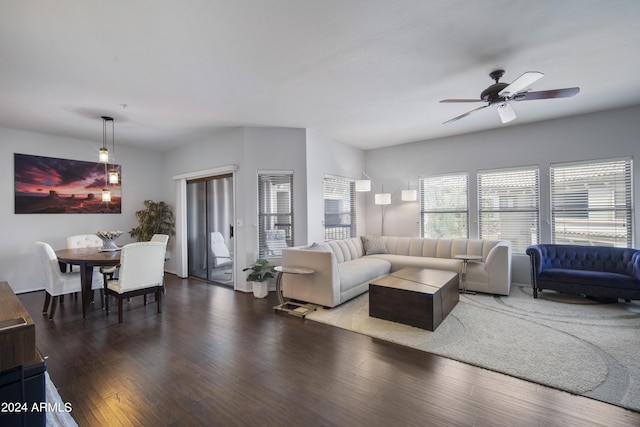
{"x":535,"y":292}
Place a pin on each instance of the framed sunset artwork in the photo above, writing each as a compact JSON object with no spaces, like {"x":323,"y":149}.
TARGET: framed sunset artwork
{"x":51,"y":185}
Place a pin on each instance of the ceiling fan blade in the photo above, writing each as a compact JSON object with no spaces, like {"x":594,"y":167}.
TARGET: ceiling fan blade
{"x":506,"y":113}
{"x":521,"y":83}
{"x":462,"y":100}
{"x":465,"y":114}
{"x":547,"y":94}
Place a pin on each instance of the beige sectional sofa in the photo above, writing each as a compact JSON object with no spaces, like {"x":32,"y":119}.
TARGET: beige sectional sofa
{"x":344,"y":268}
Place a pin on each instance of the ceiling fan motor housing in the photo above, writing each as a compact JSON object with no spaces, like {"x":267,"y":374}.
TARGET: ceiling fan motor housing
{"x":490,"y":94}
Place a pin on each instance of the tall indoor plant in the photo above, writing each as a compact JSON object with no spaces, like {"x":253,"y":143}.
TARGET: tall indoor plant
{"x":156,"y":218}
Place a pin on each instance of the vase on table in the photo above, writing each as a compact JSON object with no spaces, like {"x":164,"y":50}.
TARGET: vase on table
{"x":108,"y":240}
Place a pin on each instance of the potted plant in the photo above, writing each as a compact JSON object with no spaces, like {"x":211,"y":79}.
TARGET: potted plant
{"x":156,"y":218}
{"x":261,"y":272}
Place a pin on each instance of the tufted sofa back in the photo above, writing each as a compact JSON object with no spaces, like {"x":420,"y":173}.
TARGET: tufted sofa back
{"x":350,"y":249}
{"x":593,"y":258}
{"x":438,"y":248}
{"x":347,"y":249}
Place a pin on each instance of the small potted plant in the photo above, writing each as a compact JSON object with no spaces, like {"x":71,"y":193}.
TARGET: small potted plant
{"x":260,"y":273}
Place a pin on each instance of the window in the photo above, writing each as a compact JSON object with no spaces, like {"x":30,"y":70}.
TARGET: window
{"x":591,"y":203}
{"x":275,"y":213}
{"x":339,"y":208}
{"x":444,"y":206}
{"x":509,"y":206}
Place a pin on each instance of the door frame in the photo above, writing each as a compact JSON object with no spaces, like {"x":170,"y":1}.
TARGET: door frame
{"x":181,"y":247}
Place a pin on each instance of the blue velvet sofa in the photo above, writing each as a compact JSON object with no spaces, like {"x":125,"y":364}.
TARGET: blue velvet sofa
{"x":594,"y":271}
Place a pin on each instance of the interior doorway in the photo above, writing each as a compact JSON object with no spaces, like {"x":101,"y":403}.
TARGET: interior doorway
{"x":210,"y":232}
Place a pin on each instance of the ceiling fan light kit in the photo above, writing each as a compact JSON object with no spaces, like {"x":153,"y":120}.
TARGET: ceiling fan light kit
{"x":501,"y":94}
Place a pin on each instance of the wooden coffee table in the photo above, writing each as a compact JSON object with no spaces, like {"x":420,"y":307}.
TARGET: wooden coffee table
{"x":414,"y":296}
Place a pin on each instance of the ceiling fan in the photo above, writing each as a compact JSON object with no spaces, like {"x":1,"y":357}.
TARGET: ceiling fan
{"x":501,"y":94}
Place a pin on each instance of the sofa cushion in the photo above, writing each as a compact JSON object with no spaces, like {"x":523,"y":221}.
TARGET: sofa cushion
{"x":400,"y":261}
{"x":373,"y":245}
{"x":589,"y":278}
{"x":356,"y":272}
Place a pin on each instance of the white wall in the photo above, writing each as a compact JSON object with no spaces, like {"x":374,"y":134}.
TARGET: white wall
{"x":251,"y":150}
{"x":328,"y":156}
{"x":603,"y":135}
{"x":19,"y":264}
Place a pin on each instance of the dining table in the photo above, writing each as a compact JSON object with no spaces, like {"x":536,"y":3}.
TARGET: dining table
{"x":87,"y":259}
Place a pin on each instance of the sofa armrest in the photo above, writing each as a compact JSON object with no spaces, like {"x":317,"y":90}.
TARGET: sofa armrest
{"x":322,"y":287}
{"x":536,"y":257}
{"x":636,"y":265}
{"x":498,"y":268}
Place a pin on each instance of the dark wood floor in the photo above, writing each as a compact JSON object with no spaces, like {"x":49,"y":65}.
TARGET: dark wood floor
{"x":219,"y":357}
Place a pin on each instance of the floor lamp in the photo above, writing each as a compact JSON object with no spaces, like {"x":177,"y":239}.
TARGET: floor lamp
{"x":383,"y":199}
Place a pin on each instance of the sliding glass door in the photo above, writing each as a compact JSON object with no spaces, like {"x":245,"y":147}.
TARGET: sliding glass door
{"x":210,"y":237}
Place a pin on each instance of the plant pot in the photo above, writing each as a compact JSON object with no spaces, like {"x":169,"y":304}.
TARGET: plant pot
{"x":260,"y":289}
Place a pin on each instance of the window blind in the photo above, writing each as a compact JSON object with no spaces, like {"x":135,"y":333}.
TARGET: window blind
{"x":509,"y":206}
{"x":339,"y":208}
{"x":591,"y":203}
{"x":444,"y":206}
{"x":275,"y":213}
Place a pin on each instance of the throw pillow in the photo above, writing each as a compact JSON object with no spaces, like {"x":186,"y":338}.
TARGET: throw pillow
{"x":373,"y":245}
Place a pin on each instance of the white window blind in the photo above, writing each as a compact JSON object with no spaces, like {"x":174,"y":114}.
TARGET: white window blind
{"x":339,"y":208}
{"x":591,"y":203}
{"x":444,"y":206}
{"x":275,"y":213}
{"x":509,"y":206}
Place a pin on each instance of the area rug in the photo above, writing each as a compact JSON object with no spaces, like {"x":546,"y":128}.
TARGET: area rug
{"x":570,"y":343}
{"x":60,"y":415}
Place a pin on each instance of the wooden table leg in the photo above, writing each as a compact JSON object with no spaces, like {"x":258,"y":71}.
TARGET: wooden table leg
{"x":86,"y":276}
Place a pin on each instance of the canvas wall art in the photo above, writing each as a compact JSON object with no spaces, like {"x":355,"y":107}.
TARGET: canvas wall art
{"x":51,"y":185}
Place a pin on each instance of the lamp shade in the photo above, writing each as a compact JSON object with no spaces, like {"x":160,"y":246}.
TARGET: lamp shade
{"x":383,"y":199}
{"x":409,"y":195}
{"x":363,"y":185}
{"x":106,"y":195}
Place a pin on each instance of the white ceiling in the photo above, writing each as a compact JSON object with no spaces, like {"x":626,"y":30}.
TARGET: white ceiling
{"x":369,"y":73}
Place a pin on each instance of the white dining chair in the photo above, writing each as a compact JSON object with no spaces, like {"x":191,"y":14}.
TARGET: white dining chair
{"x":91,"y":241}
{"x":84,"y":241}
{"x":58,"y":283}
{"x":163,"y":238}
{"x":141,"y":273}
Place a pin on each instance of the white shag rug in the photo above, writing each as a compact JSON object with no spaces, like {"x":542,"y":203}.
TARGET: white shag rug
{"x":566,"y":342}
{"x":59,"y":417}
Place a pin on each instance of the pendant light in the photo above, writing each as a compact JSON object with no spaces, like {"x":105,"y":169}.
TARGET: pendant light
{"x":106,"y":193}
{"x":104,"y":152}
{"x":113,"y":172}
{"x":110,"y":176}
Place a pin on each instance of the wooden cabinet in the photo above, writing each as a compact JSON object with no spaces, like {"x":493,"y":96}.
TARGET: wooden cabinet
{"x":22,"y":368}
{"x":17,"y":331}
